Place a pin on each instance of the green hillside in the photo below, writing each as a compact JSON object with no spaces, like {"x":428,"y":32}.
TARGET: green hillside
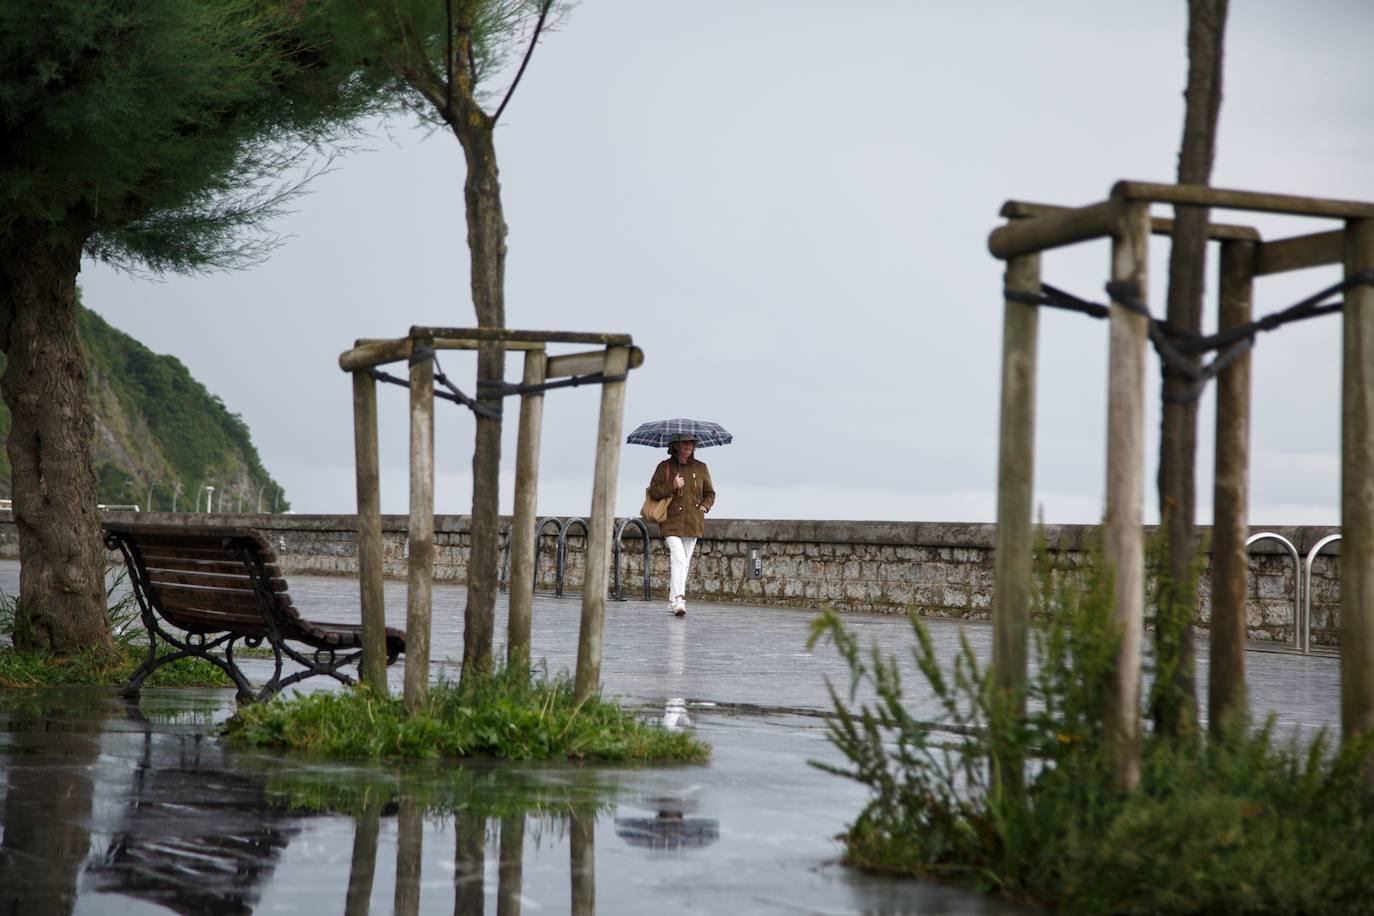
{"x":160,"y":433}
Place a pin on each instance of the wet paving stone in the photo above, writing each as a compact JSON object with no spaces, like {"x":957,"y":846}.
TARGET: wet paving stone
{"x":110,"y":807}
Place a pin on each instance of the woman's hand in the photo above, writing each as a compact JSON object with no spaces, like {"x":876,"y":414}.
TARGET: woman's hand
{"x":678,"y":482}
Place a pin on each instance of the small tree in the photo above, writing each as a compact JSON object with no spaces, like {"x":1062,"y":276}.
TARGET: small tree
{"x":437,"y":57}
{"x":1175,"y":703}
{"x":142,"y":133}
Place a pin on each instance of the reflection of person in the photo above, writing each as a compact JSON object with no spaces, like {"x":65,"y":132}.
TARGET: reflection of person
{"x":688,"y":482}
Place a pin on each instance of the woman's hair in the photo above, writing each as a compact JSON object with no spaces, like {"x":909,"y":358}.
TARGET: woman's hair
{"x":672,"y":449}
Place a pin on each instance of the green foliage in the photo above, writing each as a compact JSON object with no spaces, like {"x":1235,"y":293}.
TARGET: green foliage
{"x":90,"y":669}
{"x":1240,"y":824}
{"x":93,"y":668}
{"x":150,"y":131}
{"x":404,"y":45}
{"x":191,"y":427}
{"x":498,"y":716}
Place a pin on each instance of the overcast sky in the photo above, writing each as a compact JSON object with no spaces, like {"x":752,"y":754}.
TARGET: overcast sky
{"x":787,"y":204}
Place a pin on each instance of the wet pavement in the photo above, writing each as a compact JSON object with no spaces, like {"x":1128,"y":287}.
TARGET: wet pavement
{"x":113,"y":808}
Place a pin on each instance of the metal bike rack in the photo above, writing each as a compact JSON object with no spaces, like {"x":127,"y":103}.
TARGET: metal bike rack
{"x":505,"y":563}
{"x":1307,"y":590}
{"x":561,"y":556}
{"x":1298,"y":610}
{"x":620,"y":527}
{"x":538,"y":530}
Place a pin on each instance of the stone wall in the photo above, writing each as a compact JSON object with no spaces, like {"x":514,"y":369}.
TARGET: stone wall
{"x":938,"y":569}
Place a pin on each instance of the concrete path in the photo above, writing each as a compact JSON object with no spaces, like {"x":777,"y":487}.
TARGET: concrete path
{"x":155,"y":815}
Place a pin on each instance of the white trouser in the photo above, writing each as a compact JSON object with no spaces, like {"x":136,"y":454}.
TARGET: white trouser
{"x":680,"y":557}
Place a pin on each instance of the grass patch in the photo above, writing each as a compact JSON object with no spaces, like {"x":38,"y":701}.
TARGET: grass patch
{"x":502,"y":716}
{"x":42,"y":669}
{"x":1245,"y":823}
{"x":92,"y":668}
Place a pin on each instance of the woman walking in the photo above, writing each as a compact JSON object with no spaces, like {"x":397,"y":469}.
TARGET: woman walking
{"x":688,"y":482}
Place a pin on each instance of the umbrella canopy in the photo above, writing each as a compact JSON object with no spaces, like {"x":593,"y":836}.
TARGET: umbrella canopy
{"x":658,"y":433}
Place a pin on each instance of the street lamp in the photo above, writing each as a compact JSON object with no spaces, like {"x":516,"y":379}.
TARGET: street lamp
{"x":209,"y":498}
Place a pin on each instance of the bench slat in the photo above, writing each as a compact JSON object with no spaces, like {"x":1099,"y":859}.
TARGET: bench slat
{"x":207,"y":622}
{"x":215,"y":599}
{"x":226,"y":567}
{"x":212,"y":552}
{"x":207,"y":579}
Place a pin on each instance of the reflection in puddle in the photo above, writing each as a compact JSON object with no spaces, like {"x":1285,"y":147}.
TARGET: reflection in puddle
{"x":675,"y":715}
{"x":672,"y":828}
{"x":183,"y":824}
{"x":105,"y":810}
{"x":669,"y":831}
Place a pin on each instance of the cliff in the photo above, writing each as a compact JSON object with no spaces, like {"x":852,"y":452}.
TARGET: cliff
{"x":160,"y":436}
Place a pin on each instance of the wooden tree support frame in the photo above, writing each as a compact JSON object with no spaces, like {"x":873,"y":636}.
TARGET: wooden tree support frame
{"x":1124,"y":217}
{"x":614,"y":356}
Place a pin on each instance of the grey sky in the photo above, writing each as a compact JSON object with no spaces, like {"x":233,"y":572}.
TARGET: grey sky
{"x":787,"y":205}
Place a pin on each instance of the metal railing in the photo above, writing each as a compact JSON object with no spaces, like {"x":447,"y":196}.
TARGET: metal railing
{"x":538,"y":541}
{"x":1297,"y":580}
{"x":561,"y":558}
{"x":620,"y":527}
{"x":1307,"y":589}
{"x":563,"y":529}
{"x":1302,"y":584}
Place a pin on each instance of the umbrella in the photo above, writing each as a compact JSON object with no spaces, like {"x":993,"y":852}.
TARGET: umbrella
{"x":658,"y":433}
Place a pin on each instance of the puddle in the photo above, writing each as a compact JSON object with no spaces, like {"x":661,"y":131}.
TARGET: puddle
{"x":115,"y":808}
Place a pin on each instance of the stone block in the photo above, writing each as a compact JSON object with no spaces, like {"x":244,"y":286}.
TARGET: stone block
{"x":1272,"y":587}
{"x":954,"y":597}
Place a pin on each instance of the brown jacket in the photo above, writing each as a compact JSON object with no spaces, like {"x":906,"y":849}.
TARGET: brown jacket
{"x":687,"y":511}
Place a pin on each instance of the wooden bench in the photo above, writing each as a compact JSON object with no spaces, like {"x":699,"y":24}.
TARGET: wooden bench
{"x":203,"y":588}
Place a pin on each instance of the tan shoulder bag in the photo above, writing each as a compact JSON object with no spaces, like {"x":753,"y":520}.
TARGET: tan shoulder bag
{"x":655,"y":510}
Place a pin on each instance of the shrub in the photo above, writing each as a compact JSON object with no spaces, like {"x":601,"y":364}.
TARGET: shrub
{"x":1243,"y":823}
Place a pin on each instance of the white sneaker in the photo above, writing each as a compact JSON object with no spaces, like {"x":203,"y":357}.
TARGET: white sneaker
{"x":681,"y":609}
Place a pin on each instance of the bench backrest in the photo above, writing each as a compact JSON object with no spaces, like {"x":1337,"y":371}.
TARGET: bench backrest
{"x":197,"y":577}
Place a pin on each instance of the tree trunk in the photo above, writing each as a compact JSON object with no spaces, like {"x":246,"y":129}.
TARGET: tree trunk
{"x":487,"y":250}
{"x":61,"y":582}
{"x":1175,"y":706}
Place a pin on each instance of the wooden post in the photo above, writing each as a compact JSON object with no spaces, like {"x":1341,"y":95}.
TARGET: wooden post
{"x":373,"y":668}
{"x":420,"y":573}
{"x":469,"y":863}
{"x":522,"y":532}
{"x":1226,"y":694}
{"x":367,"y":826}
{"x":588,"y":679}
{"x":1015,"y":475}
{"x":1357,"y":488}
{"x":410,"y":842}
{"x":511,"y":866}
{"x":1125,"y":542}
{"x":582,"y":861}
